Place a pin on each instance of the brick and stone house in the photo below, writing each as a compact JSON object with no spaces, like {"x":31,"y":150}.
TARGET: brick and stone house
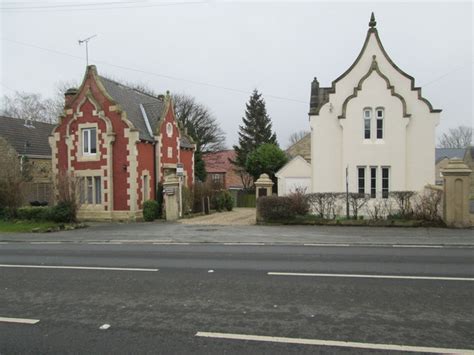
{"x":28,"y":140}
{"x":120,"y":143}
{"x":221,"y":171}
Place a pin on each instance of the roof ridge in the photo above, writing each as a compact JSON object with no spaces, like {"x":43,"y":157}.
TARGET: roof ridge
{"x":22,"y":119}
{"x":130,"y":88}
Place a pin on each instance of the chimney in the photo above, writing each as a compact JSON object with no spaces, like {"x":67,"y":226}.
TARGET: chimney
{"x":69,"y":95}
{"x":314,"y":101}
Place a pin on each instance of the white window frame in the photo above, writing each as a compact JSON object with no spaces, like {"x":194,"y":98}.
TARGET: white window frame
{"x":388,"y":181}
{"x":365,"y":119}
{"x":90,"y":182}
{"x":146,"y":187}
{"x":377,"y":120}
{"x":373,"y":182}
{"x":89,"y":131}
{"x":364,"y":180}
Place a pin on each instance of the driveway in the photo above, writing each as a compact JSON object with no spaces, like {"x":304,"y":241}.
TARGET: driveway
{"x":236,"y":217}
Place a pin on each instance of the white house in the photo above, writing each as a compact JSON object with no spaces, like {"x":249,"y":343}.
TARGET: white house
{"x":375,"y":123}
{"x":293,"y":175}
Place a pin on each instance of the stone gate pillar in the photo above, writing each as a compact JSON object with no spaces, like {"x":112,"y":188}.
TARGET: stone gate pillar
{"x":171,"y":197}
{"x":456,"y":194}
{"x":263,"y":186}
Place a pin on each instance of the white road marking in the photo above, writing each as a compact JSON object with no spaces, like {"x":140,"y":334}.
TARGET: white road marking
{"x":19,"y":320}
{"x":244,"y":243}
{"x":327,"y":245}
{"x":166,"y":243}
{"x":76,"y":267}
{"x":416,"y":246}
{"x":401,"y":277}
{"x":45,"y":242}
{"x":104,"y":326}
{"x":343,"y":344}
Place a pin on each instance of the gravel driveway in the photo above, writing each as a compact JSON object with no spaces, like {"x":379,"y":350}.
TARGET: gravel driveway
{"x":237,"y":217}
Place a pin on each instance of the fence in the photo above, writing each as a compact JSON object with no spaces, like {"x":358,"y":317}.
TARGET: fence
{"x":246,"y":199}
{"x":42,"y":192}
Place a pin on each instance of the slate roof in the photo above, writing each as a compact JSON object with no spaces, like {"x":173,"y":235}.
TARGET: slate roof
{"x":449,"y":153}
{"x":35,"y":138}
{"x":130,"y":100}
{"x":218,"y":163}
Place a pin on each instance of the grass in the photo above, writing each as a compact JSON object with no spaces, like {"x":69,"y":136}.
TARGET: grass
{"x":19,"y":226}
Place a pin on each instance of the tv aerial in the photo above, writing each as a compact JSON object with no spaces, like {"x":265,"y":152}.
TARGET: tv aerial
{"x":86,"y":41}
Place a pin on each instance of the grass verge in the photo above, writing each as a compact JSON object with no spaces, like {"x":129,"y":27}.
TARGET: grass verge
{"x":25,"y":226}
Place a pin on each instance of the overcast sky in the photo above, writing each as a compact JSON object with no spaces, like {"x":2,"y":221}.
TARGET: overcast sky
{"x":220,"y":51}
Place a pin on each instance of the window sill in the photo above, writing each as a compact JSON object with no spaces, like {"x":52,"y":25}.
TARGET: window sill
{"x":92,"y":157}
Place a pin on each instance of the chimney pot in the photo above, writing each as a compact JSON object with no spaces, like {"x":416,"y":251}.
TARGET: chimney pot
{"x":69,"y":94}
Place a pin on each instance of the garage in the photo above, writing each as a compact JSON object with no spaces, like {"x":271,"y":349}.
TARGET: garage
{"x":294,"y":174}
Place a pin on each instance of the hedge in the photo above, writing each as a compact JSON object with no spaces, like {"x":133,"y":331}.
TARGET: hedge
{"x":150,"y":210}
{"x":274,"y":208}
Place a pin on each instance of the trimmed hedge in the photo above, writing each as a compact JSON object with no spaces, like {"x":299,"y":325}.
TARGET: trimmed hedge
{"x":274,"y":208}
{"x":64,"y":212}
{"x":150,"y":210}
{"x":34,"y":213}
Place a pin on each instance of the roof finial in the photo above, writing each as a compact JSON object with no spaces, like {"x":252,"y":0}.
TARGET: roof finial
{"x":372,"y":22}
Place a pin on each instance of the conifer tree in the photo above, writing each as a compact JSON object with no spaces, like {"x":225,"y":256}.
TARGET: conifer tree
{"x":255,"y":130}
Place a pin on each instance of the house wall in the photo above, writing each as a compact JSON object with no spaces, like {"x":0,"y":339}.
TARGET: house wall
{"x":409,"y":142}
{"x":169,"y":144}
{"x":187,"y":158}
{"x":115,"y":161}
{"x":145,"y":168}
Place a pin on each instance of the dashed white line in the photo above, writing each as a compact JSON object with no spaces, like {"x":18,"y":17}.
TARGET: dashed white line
{"x":343,"y":344}
{"x":166,"y":243}
{"x":45,"y":242}
{"x":18,"y":320}
{"x":326,"y":245}
{"x":416,"y":246}
{"x":76,"y":267}
{"x":400,"y":277}
{"x":243,"y":244}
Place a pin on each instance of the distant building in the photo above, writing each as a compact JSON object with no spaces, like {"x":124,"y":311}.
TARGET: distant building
{"x":220,"y":171}
{"x":120,"y":143}
{"x":29,"y":141}
{"x":442,"y":156}
{"x":469,"y":160}
{"x":374,"y":123}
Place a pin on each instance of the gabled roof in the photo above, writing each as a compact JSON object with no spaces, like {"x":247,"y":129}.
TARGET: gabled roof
{"x":27,"y":140}
{"x":218,"y":162}
{"x":295,"y":160}
{"x":320,"y":95}
{"x":130,"y":100}
{"x":449,"y":153}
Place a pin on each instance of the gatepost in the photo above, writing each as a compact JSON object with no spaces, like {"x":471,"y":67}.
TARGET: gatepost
{"x":171,"y":192}
{"x":263,"y":187}
{"x":456,"y":194}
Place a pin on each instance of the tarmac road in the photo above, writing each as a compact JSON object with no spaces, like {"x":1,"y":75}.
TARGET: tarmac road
{"x":164,"y":298}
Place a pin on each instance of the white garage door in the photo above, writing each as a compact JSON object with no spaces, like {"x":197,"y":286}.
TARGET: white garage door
{"x":293,"y":183}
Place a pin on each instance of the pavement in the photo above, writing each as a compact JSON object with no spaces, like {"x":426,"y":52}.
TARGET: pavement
{"x":163,"y":232}
{"x":144,"y":298}
{"x":236,"y":217}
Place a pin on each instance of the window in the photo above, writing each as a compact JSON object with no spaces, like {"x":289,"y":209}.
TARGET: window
{"x":367,"y":119}
{"x":169,"y":129}
{"x":361,"y":178}
{"x":98,"y":190}
{"x":89,"y":141}
{"x":373,"y":182}
{"x":145,"y":187}
{"x":90,"y":190}
{"x":170,"y":152}
{"x":380,"y":114}
{"x":216,"y":178}
{"x":385,"y":181}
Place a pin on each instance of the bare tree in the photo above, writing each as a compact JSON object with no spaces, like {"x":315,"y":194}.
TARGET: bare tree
{"x":30,"y":106}
{"x":459,"y":137}
{"x":296,"y":137}
{"x":202,"y":126}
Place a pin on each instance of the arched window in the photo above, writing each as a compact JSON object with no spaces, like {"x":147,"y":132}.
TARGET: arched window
{"x":367,"y":119}
{"x":379,"y":112}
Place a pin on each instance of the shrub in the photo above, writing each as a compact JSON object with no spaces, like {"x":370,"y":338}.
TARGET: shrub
{"x":427,"y":205}
{"x":324,"y":204}
{"x":357,"y":201}
{"x":228,"y":201}
{"x":274,"y":208}
{"x":403,"y":200}
{"x":188,"y":200}
{"x":299,"y":201}
{"x":34,"y":213}
{"x":64,"y":212}
{"x":150,"y":210}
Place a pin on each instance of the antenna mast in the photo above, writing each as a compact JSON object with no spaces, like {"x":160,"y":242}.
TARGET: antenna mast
{"x":86,"y":41}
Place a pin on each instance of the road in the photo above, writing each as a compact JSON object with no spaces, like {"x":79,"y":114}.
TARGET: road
{"x":194,"y":298}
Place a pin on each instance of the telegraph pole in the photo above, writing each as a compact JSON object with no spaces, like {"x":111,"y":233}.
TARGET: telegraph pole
{"x":86,"y":41}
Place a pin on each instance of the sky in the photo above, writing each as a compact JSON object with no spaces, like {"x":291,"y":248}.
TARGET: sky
{"x":220,"y":51}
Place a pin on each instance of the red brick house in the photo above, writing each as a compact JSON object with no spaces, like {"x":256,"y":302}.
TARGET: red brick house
{"x":120,"y":143}
{"x":221,"y":171}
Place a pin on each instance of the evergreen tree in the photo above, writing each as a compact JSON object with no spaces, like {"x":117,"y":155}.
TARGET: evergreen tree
{"x":255,"y":131}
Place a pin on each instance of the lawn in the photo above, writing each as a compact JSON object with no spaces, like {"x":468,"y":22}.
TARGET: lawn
{"x":26,"y":226}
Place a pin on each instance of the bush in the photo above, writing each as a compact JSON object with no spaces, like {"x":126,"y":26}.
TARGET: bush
{"x":403,"y":199}
{"x":428,"y":206}
{"x":150,"y":210}
{"x":34,"y":213}
{"x":228,"y":201}
{"x":299,"y":201}
{"x":324,"y":203}
{"x":274,"y":208}
{"x":64,"y":212}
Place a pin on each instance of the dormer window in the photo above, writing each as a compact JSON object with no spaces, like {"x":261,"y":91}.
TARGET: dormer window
{"x":89,"y":141}
{"x":367,"y":119}
{"x":380,"y":116}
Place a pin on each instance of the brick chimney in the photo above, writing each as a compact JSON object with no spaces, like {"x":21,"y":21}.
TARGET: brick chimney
{"x":69,"y":95}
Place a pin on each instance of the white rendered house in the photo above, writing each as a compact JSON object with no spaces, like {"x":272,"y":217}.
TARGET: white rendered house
{"x":375,"y":123}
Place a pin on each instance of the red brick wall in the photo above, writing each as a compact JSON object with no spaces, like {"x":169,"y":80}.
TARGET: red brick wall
{"x":166,"y":141}
{"x":145,"y":162}
{"x":188,"y":162}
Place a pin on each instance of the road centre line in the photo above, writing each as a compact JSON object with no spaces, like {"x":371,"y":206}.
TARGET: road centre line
{"x":416,"y":246}
{"x":400,"y":277}
{"x":18,"y":320}
{"x":326,"y":245}
{"x":343,"y":344}
{"x":76,"y":267}
{"x":236,"y":243}
{"x":45,"y":242}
